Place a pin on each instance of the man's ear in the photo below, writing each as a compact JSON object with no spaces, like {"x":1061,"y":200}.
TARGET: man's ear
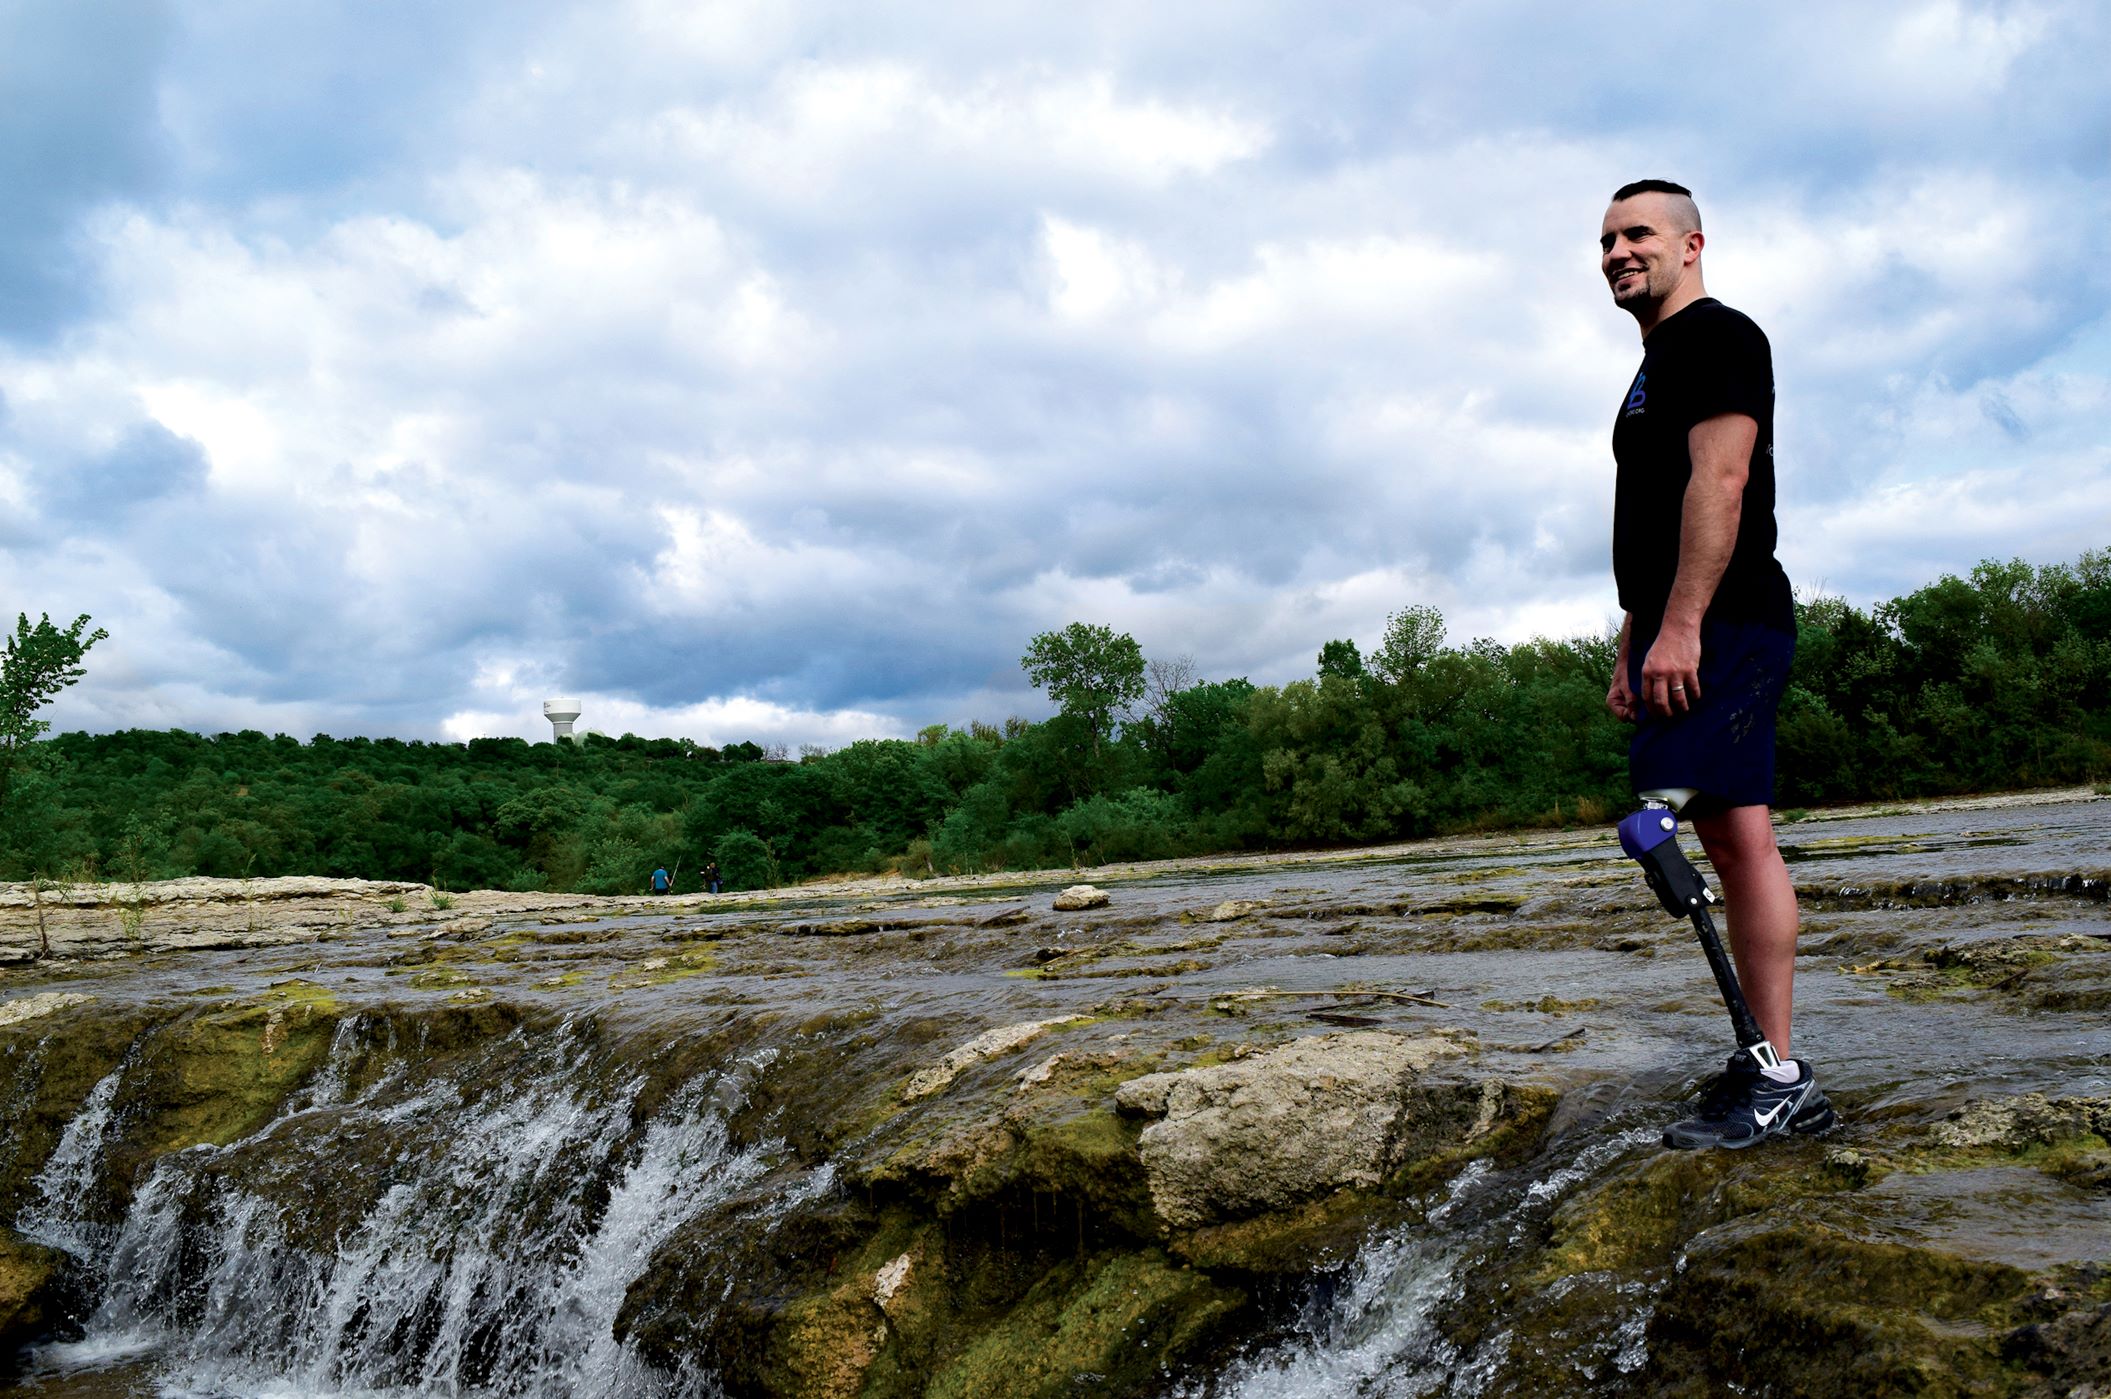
{"x":1695,"y":241}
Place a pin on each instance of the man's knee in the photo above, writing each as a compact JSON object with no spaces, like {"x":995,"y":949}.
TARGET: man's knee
{"x":1739,"y":840}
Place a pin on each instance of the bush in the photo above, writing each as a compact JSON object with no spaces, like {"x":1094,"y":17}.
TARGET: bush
{"x":745,"y":861}
{"x":615,"y":866}
{"x":1139,"y":824}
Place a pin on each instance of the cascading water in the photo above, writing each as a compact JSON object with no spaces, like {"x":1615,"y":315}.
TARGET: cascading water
{"x":467,"y":1232}
{"x":55,"y":1217}
{"x":1377,"y":1330}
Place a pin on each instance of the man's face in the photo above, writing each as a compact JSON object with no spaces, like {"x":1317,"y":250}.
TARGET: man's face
{"x":1643,"y":251}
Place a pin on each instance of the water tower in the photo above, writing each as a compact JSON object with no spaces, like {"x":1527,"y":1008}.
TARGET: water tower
{"x":560,"y":713}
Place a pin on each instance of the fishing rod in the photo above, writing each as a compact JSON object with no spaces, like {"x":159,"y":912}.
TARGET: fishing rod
{"x":1651,"y":838}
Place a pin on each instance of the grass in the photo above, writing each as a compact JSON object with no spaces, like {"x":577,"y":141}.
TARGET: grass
{"x":442,"y":900}
{"x":397,"y":904}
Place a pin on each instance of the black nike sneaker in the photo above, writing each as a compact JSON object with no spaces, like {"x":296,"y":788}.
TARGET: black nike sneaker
{"x":1741,"y":1106}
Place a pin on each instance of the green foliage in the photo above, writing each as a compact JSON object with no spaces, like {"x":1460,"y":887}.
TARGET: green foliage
{"x":1341,"y":660}
{"x":1139,"y":824}
{"x":746,"y":861}
{"x":35,"y":665}
{"x":1093,"y":673}
{"x":1997,"y":680}
{"x":1413,"y":637}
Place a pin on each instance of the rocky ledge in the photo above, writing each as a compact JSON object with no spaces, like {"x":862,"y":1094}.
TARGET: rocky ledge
{"x":996,"y":1149}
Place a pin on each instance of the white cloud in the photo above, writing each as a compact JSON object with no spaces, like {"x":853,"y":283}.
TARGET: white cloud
{"x":1946,"y":46}
{"x":821,"y":127}
{"x":1095,"y":275}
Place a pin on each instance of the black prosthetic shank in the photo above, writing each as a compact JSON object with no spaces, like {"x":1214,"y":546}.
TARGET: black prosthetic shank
{"x":1650,"y":838}
{"x":1677,"y":884}
{"x":1741,"y":1021}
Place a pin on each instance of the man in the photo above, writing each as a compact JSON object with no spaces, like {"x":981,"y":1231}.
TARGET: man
{"x":661,"y":883}
{"x":1710,"y":627}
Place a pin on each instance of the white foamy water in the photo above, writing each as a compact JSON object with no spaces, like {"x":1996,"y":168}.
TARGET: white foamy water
{"x":512,"y":1214}
{"x":58,"y":1215}
{"x":1379,"y":1332}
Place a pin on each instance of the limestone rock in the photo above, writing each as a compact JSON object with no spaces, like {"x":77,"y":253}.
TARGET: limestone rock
{"x":2029,"y":1120}
{"x":1229,"y":910}
{"x":21,"y":1008}
{"x":888,"y":1281}
{"x":1267,"y":1131}
{"x":1079,"y":896}
{"x":987,"y":1045}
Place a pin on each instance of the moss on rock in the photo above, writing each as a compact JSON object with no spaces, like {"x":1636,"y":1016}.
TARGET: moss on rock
{"x":1823,"y":1312}
{"x":1106,"y":1326}
{"x":216,"y":1074}
{"x":27,"y":1272}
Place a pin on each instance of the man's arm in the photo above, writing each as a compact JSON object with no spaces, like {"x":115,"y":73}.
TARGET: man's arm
{"x":1721,"y":449}
{"x":1618,"y":698}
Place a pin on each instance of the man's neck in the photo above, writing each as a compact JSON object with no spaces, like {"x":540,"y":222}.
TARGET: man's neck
{"x":1684,"y":295}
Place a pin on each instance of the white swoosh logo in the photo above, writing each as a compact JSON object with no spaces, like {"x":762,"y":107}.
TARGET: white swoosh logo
{"x":1766,"y":1119}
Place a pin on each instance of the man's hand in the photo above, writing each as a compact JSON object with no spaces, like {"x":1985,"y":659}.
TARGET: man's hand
{"x":1671,"y":672}
{"x":1621,"y":700}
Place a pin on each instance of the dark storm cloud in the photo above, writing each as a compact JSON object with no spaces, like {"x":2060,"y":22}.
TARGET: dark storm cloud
{"x":78,"y":87}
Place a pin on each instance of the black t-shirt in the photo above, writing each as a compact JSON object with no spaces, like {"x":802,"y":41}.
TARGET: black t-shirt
{"x":1705,"y":361}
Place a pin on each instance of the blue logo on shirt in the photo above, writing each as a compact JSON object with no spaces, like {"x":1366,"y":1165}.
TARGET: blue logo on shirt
{"x":1636,"y":397}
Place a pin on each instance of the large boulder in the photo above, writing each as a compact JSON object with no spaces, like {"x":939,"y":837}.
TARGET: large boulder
{"x":1080,"y":896}
{"x":1273,"y":1129}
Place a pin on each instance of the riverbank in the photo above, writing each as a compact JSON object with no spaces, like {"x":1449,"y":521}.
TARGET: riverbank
{"x":112,"y":918}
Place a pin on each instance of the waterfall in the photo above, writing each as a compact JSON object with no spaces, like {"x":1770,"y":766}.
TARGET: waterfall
{"x":467,"y":1231}
{"x":57,"y":1216}
{"x":1376,"y":1330}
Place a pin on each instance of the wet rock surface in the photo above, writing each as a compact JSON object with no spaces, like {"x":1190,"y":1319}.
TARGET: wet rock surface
{"x":1274,"y":1129}
{"x":1365,"y":1122}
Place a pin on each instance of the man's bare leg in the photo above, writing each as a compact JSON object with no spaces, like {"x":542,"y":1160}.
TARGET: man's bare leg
{"x":1760,"y":909}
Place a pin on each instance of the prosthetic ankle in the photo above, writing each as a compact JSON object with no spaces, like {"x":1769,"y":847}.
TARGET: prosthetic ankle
{"x":1651,"y":838}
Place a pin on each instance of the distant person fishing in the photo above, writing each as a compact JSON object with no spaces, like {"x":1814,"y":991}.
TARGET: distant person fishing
{"x":1705,"y":646}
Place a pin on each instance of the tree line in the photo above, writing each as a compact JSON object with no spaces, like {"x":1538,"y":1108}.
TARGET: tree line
{"x":1998,"y":680}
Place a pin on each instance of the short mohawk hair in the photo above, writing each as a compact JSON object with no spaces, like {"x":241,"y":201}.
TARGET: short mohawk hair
{"x":1628,"y":191}
{"x":1649,"y":187}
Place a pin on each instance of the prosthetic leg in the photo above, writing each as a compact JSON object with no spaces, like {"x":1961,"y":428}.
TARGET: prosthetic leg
{"x":1651,"y":838}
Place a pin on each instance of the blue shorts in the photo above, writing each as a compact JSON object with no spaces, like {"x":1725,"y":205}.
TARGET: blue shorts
{"x":1724,"y":744}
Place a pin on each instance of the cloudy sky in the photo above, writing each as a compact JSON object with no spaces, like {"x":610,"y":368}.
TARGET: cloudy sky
{"x":776,"y":369}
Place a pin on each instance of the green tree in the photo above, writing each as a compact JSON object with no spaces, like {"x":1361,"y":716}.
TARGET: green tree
{"x":1341,"y":658}
{"x":37,"y":663}
{"x":1093,"y":673}
{"x":1413,"y":637}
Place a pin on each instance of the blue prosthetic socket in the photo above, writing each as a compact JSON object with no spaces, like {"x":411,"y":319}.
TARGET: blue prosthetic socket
{"x":1651,"y":838}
